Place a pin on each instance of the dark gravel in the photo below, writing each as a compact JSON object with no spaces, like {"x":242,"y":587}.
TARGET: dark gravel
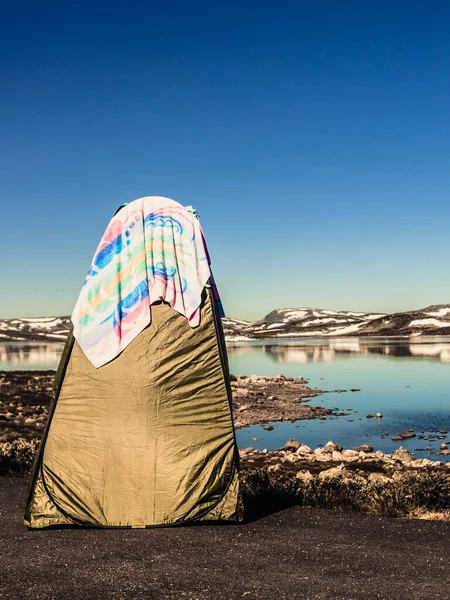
{"x":297,"y":553}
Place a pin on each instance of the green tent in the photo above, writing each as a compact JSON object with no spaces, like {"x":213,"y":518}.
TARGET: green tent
{"x":145,"y":440}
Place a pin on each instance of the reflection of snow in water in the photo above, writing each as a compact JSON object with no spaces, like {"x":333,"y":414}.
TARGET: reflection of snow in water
{"x":299,"y":355}
{"x":38,"y":355}
{"x":313,"y":351}
{"x":347,"y":345}
{"x":439,"y":351}
{"x":30,"y":355}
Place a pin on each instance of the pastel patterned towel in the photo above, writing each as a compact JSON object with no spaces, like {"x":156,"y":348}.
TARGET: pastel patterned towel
{"x":153,"y":249}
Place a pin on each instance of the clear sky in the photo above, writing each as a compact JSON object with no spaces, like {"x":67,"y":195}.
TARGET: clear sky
{"x":312,"y":137}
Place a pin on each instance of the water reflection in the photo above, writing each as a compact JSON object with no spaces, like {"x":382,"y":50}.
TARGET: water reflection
{"x":406,"y":380}
{"x":23,"y":356}
{"x":314,"y":350}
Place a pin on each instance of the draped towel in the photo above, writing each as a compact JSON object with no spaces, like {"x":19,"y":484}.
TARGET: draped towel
{"x":153,"y":249}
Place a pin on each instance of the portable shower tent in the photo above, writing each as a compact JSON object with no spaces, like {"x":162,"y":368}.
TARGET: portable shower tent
{"x":140,"y":431}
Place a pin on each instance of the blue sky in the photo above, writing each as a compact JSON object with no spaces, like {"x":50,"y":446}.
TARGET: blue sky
{"x":312,"y":137}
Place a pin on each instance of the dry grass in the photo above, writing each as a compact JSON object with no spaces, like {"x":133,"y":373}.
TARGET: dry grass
{"x":415,"y":494}
{"x":16,"y":457}
{"x":430,"y":516}
{"x":410,"y":494}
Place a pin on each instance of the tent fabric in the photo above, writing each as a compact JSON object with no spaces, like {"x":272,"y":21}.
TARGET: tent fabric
{"x":153,"y":249}
{"x":145,"y":440}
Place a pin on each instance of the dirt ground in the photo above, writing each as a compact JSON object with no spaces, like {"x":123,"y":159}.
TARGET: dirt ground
{"x":309,"y":554}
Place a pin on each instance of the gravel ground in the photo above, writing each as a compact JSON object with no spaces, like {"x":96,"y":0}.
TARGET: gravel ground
{"x":308,"y":554}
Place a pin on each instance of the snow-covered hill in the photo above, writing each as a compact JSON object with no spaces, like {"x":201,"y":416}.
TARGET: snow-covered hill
{"x":283,"y":323}
{"x":34,"y":329}
{"x":433,"y":320}
{"x":312,"y":322}
{"x":299,"y":322}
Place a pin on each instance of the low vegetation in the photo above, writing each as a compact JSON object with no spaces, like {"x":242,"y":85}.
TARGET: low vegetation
{"x":424,"y":493}
{"x":409,"y":494}
{"x":16,"y":457}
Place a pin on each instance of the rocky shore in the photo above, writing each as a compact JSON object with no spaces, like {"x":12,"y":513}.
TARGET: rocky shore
{"x":258,"y":400}
{"x":397,"y":484}
{"x":25,"y":398}
{"x":334,"y":460}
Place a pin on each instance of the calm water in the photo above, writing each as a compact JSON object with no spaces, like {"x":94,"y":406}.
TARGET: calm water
{"x":408,"y":381}
{"x":29,"y":356}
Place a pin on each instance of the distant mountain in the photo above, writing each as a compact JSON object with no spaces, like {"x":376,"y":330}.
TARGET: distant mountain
{"x":282,"y":323}
{"x":44,"y":329}
{"x":285,"y":323}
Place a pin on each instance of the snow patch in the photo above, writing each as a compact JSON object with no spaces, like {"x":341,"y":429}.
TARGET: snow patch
{"x":433,"y":322}
{"x":228,"y":321}
{"x":296,"y":314}
{"x":344,"y":330}
{"x":439,"y":313}
{"x":324,"y":320}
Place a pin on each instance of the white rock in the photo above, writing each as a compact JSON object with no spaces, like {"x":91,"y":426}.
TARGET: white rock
{"x":333,"y":472}
{"x":323,"y":457}
{"x":350,"y":453}
{"x":289,"y":458}
{"x":402,"y":454}
{"x":303,"y":449}
{"x":350,"y":458}
{"x":304,"y":475}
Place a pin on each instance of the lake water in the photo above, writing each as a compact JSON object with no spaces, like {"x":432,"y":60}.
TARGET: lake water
{"x":408,"y":381}
{"x":29,"y":356}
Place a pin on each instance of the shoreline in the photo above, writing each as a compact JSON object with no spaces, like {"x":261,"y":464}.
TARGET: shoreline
{"x":25,"y":398}
{"x":259,"y":400}
{"x":397,"y":484}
